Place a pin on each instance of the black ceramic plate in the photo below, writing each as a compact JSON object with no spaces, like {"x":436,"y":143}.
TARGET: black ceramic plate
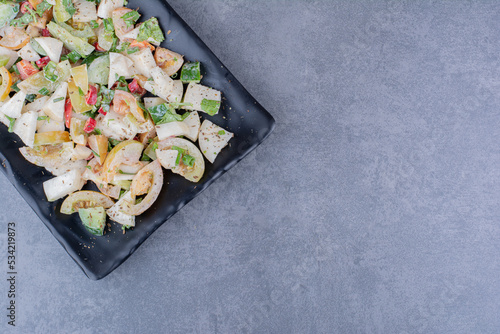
{"x":240,"y":114}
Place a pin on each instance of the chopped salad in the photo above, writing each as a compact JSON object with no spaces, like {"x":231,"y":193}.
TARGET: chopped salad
{"x":93,"y":96}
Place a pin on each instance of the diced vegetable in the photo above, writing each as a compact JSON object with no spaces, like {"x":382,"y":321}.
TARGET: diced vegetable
{"x":73,"y":43}
{"x":90,"y":125}
{"x":63,"y":185}
{"x":80,"y":77}
{"x":8,"y":56}
{"x":52,"y":47}
{"x":48,"y":156}
{"x":81,"y":152}
{"x":192,"y":173}
{"x":98,"y":71}
{"x":106,"y":7}
{"x":151,"y":175}
{"x":26,"y":69}
{"x":128,"y":151}
{"x":202,"y":98}
{"x":8,"y":11}
{"x":36,"y":82}
{"x":14,"y":106}
{"x":172,"y":129}
{"x":94,"y":219}
{"x":63,"y":10}
{"x":51,"y":138}
{"x":42,"y":62}
{"x":25,"y":127}
{"x":77,"y":97}
{"x":6,"y":83}
{"x":121,"y":21}
{"x":37,"y":47}
{"x":116,"y":214}
{"x":99,"y":145}
{"x":193,"y":124}
{"x":168,"y":61}
{"x":167,"y":158}
{"x":77,"y":132}
{"x":54,"y":108}
{"x":85,"y":11}
{"x":144,"y":61}
{"x":150,"y":31}
{"x":120,"y":66}
{"x":83,"y":200}
{"x":125,"y":103}
{"x":213,"y":139}
{"x":28,"y":53}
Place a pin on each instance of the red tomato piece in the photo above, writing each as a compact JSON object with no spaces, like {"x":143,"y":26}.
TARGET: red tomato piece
{"x":46,"y":32}
{"x":42,"y":62}
{"x":67,"y":112}
{"x":98,"y":48}
{"x":25,"y":69}
{"x":24,"y":7}
{"x":91,"y":97}
{"x":135,"y":88}
{"x":90,"y":125}
{"x":102,"y":111}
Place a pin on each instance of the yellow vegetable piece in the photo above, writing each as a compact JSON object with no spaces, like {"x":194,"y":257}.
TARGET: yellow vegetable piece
{"x":77,"y":99}
{"x":15,"y":39}
{"x":60,"y":13}
{"x":76,"y":131}
{"x":99,"y":144}
{"x":80,"y":77}
{"x":6,"y":83}
{"x":128,"y":151}
{"x":51,"y":138}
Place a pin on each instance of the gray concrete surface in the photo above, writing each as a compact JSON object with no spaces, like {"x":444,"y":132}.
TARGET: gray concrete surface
{"x":373,"y":208}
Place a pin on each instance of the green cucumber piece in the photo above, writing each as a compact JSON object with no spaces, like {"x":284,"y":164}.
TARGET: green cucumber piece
{"x":191,"y":72}
{"x":98,"y":70}
{"x":73,"y":43}
{"x":94,"y":219}
{"x":37,"y":47}
{"x":8,"y":12}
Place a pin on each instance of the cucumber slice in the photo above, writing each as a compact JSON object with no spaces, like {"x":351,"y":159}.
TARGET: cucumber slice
{"x":37,"y":47}
{"x":8,"y":11}
{"x":191,"y":72}
{"x":73,"y":43}
{"x":98,"y":71}
{"x":94,"y":219}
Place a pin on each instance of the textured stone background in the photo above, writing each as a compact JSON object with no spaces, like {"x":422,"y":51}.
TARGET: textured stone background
{"x":373,"y":208}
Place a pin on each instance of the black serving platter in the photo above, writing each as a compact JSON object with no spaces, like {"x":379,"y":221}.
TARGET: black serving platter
{"x":240,"y":114}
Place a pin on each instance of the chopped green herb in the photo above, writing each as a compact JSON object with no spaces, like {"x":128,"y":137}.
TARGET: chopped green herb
{"x":59,"y":99}
{"x":30,"y":97}
{"x":150,"y":30}
{"x":165,"y":113}
{"x":133,"y":50}
{"x":97,"y":132}
{"x":68,"y":5}
{"x":14,"y":86}
{"x":108,"y":25}
{"x":11,"y":123}
{"x":42,"y":118}
{"x":94,"y":24}
{"x":211,"y":107}
{"x":222,"y":132}
{"x":191,"y":72}
{"x":130,"y":18}
{"x":95,"y":153}
{"x":73,"y":56}
{"x":44,"y":91}
{"x":80,"y":91}
{"x":50,"y":72}
{"x":188,"y":160}
{"x":42,"y":7}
